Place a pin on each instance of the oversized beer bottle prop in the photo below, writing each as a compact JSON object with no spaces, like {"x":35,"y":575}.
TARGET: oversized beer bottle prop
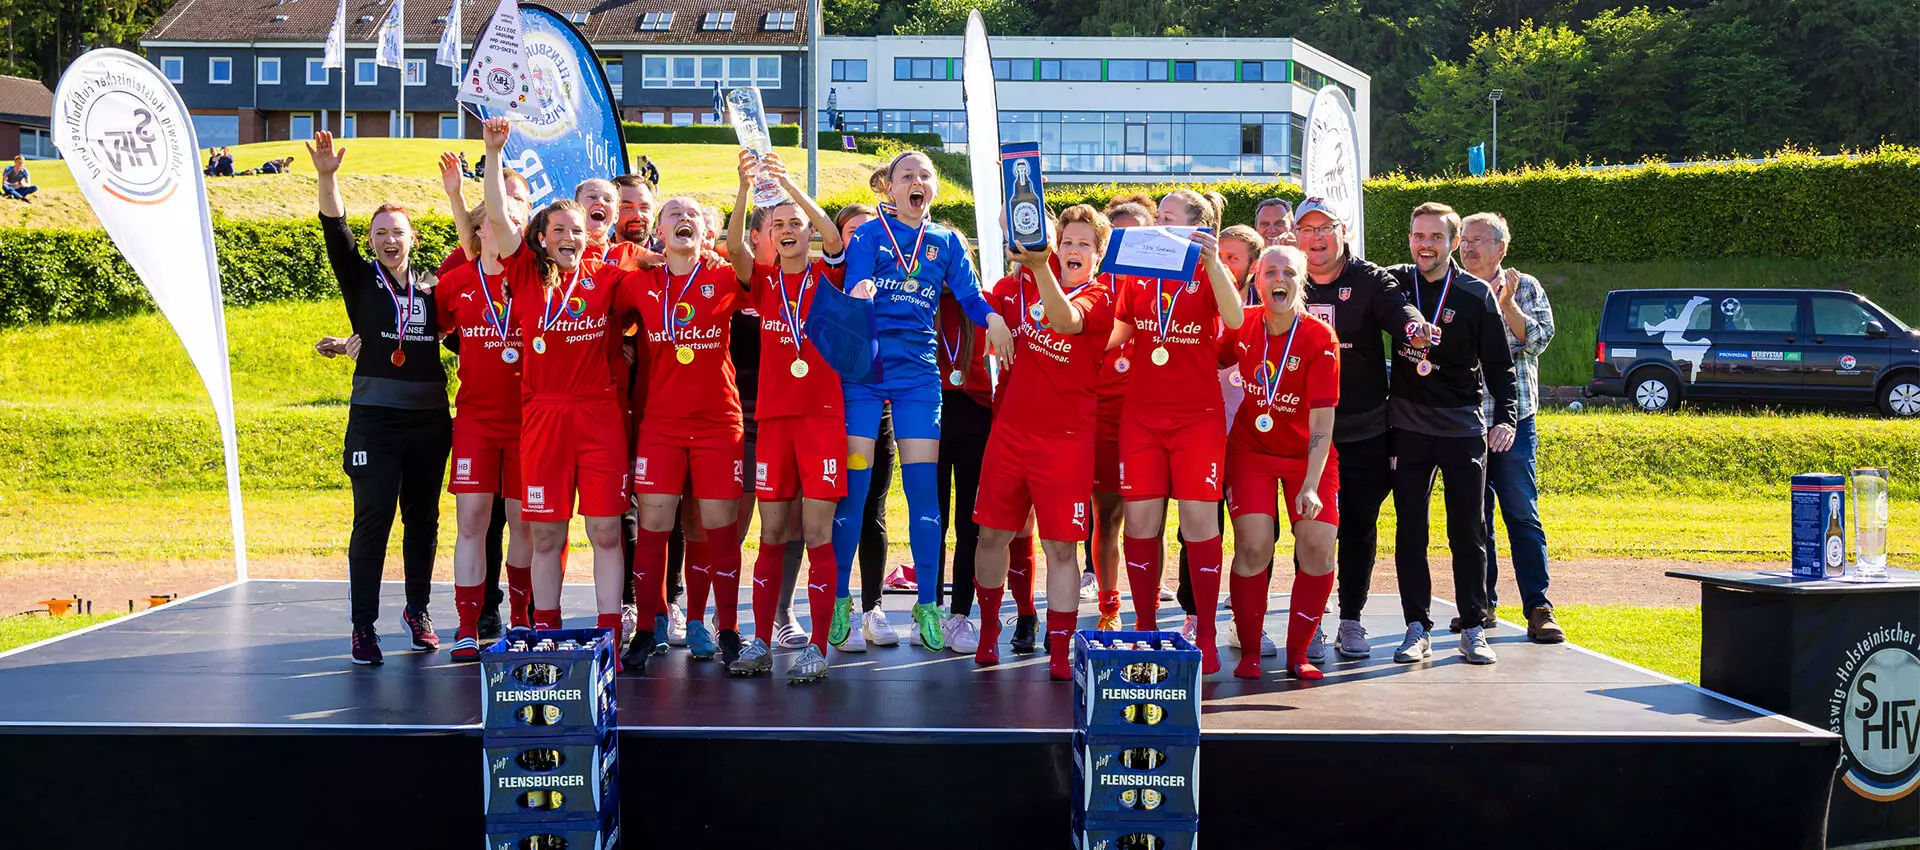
{"x":1026,"y":211}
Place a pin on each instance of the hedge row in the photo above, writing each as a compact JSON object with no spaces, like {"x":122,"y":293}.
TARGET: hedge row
{"x":1599,"y":454}
{"x":783,"y":135}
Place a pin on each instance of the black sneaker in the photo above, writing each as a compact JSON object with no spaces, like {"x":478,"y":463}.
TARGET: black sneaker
{"x":366,"y":646}
{"x":489,"y":624}
{"x":421,"y":625}
{"x":634,"y":659}
{"x":1023,"y":632}
{"x":729,"y":646}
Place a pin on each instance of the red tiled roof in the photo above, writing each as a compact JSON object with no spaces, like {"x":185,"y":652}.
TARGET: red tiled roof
{"x":608,"y":21}
{"x":25,"y":98}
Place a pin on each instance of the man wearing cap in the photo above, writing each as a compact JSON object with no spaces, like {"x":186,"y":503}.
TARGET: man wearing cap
{"x":1362,"y":302}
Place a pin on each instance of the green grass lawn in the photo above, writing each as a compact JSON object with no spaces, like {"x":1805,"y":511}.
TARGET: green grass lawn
{"x":23,"y":630}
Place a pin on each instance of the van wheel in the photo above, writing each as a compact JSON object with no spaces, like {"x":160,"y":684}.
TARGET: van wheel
{"x":1654,"y":392}
{"x":1900,"y":396}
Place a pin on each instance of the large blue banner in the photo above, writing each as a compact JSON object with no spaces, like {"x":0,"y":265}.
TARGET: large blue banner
{"x":574,"y":133}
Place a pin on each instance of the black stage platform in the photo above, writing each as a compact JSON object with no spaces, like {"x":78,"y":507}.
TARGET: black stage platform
{"x":233,"y":719}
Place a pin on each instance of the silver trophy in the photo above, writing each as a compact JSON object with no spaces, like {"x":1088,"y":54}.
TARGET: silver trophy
{"x":749,"y":119}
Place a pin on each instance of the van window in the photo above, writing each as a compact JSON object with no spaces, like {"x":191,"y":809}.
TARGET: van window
{"x":1839,"y":317}
{"x":1762,"y":315}
{"x":1651,"y":310}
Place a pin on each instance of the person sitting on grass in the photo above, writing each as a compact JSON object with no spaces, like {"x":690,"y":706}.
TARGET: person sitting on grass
{"x":17,"y":183}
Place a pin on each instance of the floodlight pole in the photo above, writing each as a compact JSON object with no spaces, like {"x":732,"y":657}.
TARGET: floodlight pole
{"x":1493,"y":163}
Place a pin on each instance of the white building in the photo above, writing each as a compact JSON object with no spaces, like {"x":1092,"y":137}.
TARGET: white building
{"x":1127,"y":109}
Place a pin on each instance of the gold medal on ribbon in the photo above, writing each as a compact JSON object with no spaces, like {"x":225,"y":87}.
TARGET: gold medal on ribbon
{"x":684,"y":354}
{"x":1160,"y":356}
{"x":799,"y":368}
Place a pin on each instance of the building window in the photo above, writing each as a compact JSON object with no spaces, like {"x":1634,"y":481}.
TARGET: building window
{"x":766,"y":72}
{"x":300,"y":126}
{"x":717,"y":22}
{"x":1127,"y":69}
{"x":682,"y":119}
{"x":365,"y":73}
{"x":849,"y":70}
{"x":317,"y":72}
{"x":656,"y":22}
{"x":220,"y":70}
{"x":1080,"y":70}
{"x":395,"y":121}
{"x":1157,"y":70}
{"x":215,"y":131}
{"x":920,"y":69}
{"x":416,"y":72}
{"x":1273,"y":71}
{"x":1250,"y":72}
{"x":686,"y":72}
{"x":269,"y":71}
{"x":616,"y":78}
{"x":1183,"y":71}
{"x":653,"y":117}
{"x":1215,"y":70}
{"x":174,"y":67}
{"x":575,"y":18}
{"x":780,"y":21}
{"x":350,"y":126}
{"x":690,"y":72}
{"x":710,"y":118}
{"x":450,"y":125}
{"x":36,"y":144}
{"x":1049,"y":69}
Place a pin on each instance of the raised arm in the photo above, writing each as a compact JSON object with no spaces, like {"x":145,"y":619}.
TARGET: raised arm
{"x":495,"y":181}
{"x":453,"y":182}
{"x":830,"y":241}
{"x":326,"y":164}
{"x":1226,"y":299}
{"x":1061,"y":313}
{"x":739,"y":252}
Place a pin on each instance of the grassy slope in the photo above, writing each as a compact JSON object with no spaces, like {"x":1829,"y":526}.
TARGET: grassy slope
{"x":20,"y":631}
{"x":406,"y":170}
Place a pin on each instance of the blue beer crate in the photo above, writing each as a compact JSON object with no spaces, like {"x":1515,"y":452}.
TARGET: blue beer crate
{"x":550,"y":777}
{"x":1146,"y":779}
{"x":1124,"y":694}
{"x":548,"y":692}
{"x":1172,"y":833}
{"x":587,"y":833}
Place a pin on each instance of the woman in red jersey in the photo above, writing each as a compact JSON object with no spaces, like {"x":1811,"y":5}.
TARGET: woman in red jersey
{"x":691,"y":432}
{"x":1039,"y":458}
{"x":1282,"y":442}
{"x":801,"y":446}
{"x":1172,"y":434}
{"x":475,"y":304}
{"x":568,"y":310}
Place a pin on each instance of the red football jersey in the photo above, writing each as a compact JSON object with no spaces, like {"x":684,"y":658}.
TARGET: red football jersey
{"x":1110,"y":386}
{"x":684,"y":315}
{"x":1308,"y":366}
{"x":477,"y":306}
{"x":1050,"y":390}
{"x":1181,"y":318}
{"x":778,"y":296}
{"x":974,"y":380}
{"x":567,"y":328}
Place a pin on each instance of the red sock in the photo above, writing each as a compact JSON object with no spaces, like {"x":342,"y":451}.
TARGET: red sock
{"x":1203,"y":562}
{"x":1249,"y":600}
{"x":649,"y":575}
{"x":1307,"y":603}
{"x":699,"y":580}
{"x":1109,"y":603}
{"x":1059,"y":643}
{"x":822,"y":577}
{"x":611,"y":621}
{"x":466,"y":602}
{"x":1020,"y":574}
{"x":546,"y":618}
{"x":989,"y":601}
{"x":723,"y":547}
{"x":766,"y":587}
{"x":1143,"y":579}
{"x":519,"y":596}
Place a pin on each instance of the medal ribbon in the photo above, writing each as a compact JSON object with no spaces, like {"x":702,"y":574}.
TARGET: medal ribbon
{"x":666,"y":306}
{"x":911,"y":264}
{"x":791,"y":312}
{"x":392,"y":288}
{"x":1433,"y":317}
{"x":496,"y":318}
{"x":548,"y":315}
{"x":1028,"y":317}
{"x":1266,"y":344}
{"x":953,"y":352}
{"x":1165,"y":314}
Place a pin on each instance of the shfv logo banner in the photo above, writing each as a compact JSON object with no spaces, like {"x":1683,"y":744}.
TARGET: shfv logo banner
{"x":1331,"y":168}
{"x":572,"y":129}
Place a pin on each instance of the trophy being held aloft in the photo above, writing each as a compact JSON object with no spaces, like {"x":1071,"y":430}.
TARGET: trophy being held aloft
{"x":749,"y":119}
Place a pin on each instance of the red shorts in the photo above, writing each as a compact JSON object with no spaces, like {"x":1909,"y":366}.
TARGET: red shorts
{"x":1256,"y":479}
{"x":486,"y":458}
{"x":1051,"y":476}
{"x":662,"y":463}
{"x":1172,"y":458}
{"x":806,"y":455}
{"x":1106,"y":457}
{"x":569,"y":445}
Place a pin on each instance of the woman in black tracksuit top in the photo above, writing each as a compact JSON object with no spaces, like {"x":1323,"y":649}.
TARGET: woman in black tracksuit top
{"x":398,"y":429}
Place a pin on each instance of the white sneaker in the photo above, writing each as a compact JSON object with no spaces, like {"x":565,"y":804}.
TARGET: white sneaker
{"x":1473,"y":645}
{"x":676,"y":626}
{"x":1316,"y":646}
{"x":1351,"y":640}
{"x":1417,"y":647}
{"x":962,"y":637}
{"x":1167,"y":595}
{"x":1089,"y":587}
{"x":1191,"y":630}
{"x":856,"y":639}
{"x":877,"y":630}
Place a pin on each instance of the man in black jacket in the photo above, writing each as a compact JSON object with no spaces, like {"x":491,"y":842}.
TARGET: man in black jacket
{"x":1362,"y":302}
{"x":1436,"y":410}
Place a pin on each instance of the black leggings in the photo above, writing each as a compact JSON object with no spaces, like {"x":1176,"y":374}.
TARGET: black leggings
{"x":873,"y":538}
{"x":393,"y":457}
{"x":1463,"y":463}
{"x":1366,"y":479}
{"x":964,"y":427}
{"x":496,"y":553}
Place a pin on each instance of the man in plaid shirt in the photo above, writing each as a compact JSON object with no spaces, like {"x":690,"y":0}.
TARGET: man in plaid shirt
{"x":1511,"y":477}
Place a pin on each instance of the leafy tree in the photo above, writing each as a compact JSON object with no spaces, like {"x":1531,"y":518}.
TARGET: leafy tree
{"x":1542,"y":72}
{"x":1743,"y":100}
{"x":949,"y":17}
{"x":1634,"y":83}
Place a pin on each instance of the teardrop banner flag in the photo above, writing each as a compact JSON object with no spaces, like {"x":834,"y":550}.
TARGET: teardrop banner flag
{"x":568,"y":128}
{"x":983,"y":157}
{"x":1331,"y":167}
{"x":130,"y":144}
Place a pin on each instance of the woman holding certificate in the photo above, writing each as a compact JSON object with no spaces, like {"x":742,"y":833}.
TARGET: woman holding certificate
{"x":1173,"y":436}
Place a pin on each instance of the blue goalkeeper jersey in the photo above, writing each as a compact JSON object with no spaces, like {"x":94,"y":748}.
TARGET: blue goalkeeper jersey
{"x":907,"y":293}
